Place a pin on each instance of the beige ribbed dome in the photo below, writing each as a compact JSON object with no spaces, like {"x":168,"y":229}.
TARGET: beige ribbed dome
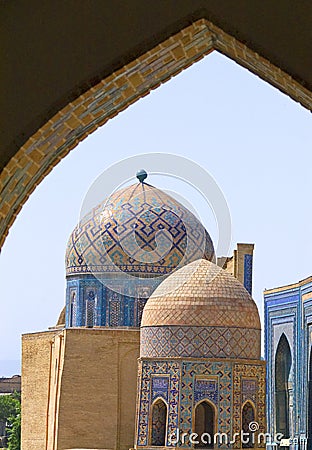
{"x":201,"y":311}
{"x":201,"y":294}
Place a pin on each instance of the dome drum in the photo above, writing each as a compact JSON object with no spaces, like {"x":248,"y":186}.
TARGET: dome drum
{"x":106,"y":301}
{"x":200,"y":342}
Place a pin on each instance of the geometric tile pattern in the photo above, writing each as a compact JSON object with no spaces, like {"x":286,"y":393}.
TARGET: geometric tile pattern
{"x":71,"y":303}
{"x":148,"y":370}
{"x":288,"y":314}
{"x":240,"y":373}
{"x":248,"y":273}
{"x":138,"y":229}
{"x":200,"y":342}
{"x":218,"y":371}
{"x":220,"y":382}
{"x":120,"y":304}
{"x":201,"y":294}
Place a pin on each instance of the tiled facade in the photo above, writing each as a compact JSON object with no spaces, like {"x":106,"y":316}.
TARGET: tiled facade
{"x":228,"y":385}
{"x":198,"y":363}
{"x":90,"y":302}
{"x":248,"y":273}
{"x":202,"y":342}
{"x":288,"y":327}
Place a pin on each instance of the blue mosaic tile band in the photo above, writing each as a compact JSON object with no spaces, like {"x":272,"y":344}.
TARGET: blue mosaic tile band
{"x":200,"y":342}
{"x":89,"y":302}
{"x":248,"y":273}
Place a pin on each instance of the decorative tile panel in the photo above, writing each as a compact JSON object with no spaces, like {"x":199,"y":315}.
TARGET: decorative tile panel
{"x":242,"y":372}
{"x":160,"y":387}
{"x":122,"y":305}
{"x":190,"y":372}
{"x":221,"y":382}
{"x":200,"y":342}
{"x":206,"y":389}
{"x":248,"y":273}
{"x":249,"y":389}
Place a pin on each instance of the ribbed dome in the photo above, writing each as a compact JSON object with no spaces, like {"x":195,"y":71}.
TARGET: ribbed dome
{"x":201,"y":311}
{"x":138,"y":230}
{"x":201,"y":294}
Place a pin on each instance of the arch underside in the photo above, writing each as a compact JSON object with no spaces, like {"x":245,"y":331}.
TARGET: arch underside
{"x":114,"y":93}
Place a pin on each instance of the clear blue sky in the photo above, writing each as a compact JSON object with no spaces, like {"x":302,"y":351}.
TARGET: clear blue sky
{"x":252,"y":139}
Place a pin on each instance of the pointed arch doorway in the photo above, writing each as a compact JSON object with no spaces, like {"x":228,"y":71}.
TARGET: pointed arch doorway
{"x":205,"y":424}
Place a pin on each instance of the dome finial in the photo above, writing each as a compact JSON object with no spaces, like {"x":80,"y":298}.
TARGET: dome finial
{"x":141,"y":175}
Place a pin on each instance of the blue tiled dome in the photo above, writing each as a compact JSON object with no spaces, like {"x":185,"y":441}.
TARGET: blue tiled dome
{"x":138,"y":230}
{"x":123,"y":249}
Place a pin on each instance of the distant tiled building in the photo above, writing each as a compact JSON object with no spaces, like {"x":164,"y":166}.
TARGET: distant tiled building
{"x":288,"y":343}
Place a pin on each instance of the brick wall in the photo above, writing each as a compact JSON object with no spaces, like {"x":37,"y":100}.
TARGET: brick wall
{"x":90,"y":400}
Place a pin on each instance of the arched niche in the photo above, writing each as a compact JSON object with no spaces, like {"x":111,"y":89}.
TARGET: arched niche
{"x":283,"y":362}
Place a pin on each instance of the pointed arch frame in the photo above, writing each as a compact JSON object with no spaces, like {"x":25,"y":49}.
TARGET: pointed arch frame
{"x":284,"y":337}
{"x":255,"y":416}
{"x":215,"y":416}
{"x":150,"y":421}
{"x":73,"y":123}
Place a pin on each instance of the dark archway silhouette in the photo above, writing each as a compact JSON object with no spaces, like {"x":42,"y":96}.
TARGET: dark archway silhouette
{"x":282,"y":370}
{"x":248,"y":416}
{"x":204,"y":424}
{"x":159,"y":422}
{"x":73,"y":310}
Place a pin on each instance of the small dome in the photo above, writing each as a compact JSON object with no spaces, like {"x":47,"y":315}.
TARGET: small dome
{"x":138,"y":230}
{"x":201,"y":311}
{"x":61,"y":319}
